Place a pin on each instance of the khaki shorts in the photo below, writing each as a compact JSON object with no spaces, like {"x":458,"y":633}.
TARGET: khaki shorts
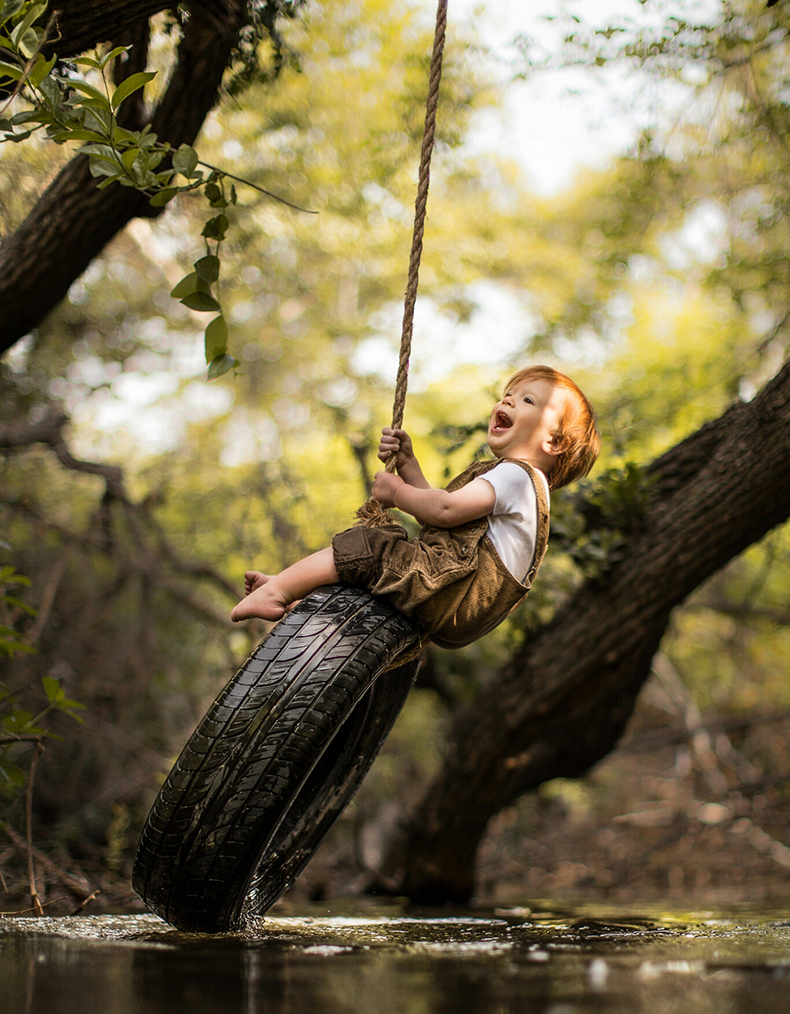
{"x":452,"y":583}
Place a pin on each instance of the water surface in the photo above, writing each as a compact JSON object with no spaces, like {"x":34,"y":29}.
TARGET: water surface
{"x":507,"y":962}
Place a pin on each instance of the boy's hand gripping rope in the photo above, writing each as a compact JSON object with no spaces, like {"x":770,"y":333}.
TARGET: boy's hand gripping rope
{"x":371,"y":513}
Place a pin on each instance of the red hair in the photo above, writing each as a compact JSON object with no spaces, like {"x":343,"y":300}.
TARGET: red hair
{"x":576,"y":429}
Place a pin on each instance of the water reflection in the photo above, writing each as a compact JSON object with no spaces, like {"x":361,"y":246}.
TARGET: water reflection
{"x":507,"y":964}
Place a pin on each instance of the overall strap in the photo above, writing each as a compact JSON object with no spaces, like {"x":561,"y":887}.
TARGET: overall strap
{"x":479,"y":468}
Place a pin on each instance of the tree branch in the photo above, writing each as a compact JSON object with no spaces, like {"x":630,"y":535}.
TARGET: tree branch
{"x":49,"y":430}
{"x":85,"y":24}
{"x":73,"y":220}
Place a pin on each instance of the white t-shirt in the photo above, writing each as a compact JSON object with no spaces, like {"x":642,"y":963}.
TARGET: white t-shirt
{"x":513,"y":523}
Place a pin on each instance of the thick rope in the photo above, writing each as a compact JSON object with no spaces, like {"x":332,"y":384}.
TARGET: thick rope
{"x":419,"y":218}
{"x":372,"y":513}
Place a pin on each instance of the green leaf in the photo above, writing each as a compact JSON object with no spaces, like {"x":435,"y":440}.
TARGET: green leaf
{"x":52,"y":689}
{"x":189,"y":283}
{"x":215,"y":196}
{"x":25,"y":24}
{"x":216,"y":339}
{"x":41,"y":69}
{"x":51,"y":92}
{"x":120,"y":134}
{"x":163,"y":197}
{"x":99,"y":167}
{"x":11,"y":643}
{"x":203,"y":302}
{"x":109,"y":180}
{"x":208,"y":268}
{"x":130,"y":85}
{"x":18,"y":721}
{"x":93,"y":93}
{"x":28,"y":116}
{"x":87,"y":61}
{"x":8,"y":575}
{"x":28,"y":44}
{"x":216,"y":228}
{"x":10,"y":70}
{"x":185,"y":159}
{"x":67,"y":704}
{"x":221,"y":365}
{"x":113,"y":54}
{"x":12,"y":600}
{"x":10,"y":8}
{"x":129,"y":157}
{"x":99,"y":119}
{"x":11,"y":773}
{"x":79,"y":134}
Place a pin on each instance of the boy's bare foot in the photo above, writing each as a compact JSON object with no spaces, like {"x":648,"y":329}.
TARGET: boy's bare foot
{"x":264,"y":603}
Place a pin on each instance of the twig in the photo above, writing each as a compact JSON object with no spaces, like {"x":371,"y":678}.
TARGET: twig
{"x":31,"y":872}
{"x":47,"y":904}
{"x":85,"y":901}
{"x":247,"y":183}
{"x":30,"y":738}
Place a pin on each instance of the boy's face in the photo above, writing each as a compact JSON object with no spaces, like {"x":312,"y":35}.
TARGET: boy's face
{"x":522,"y":424}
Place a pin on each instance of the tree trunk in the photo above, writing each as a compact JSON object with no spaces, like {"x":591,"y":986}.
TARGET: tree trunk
{"x":82,"y":24}
{"x":73,"y":220}
{"x":562,"y":702}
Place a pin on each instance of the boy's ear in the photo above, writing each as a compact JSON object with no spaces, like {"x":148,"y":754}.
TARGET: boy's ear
{"x":556,"y":444}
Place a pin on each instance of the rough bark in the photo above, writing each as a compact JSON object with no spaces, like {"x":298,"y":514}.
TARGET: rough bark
{"x":562,"y":702}
{"x":82,"y":24}
{"x":72,"y":221}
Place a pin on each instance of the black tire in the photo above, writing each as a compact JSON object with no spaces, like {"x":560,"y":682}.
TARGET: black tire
{"x":275,"y":761}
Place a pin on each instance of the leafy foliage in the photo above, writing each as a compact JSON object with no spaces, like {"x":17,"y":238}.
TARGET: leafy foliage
{"x":68,"y":108}
{"x":22,"y":727}
{"x":11,"y":641}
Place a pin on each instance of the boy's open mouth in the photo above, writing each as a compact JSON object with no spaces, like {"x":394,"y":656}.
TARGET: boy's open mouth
{"x":502,"y":422}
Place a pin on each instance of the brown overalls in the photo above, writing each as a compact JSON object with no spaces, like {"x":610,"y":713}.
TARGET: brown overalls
{"x":450,"y":580}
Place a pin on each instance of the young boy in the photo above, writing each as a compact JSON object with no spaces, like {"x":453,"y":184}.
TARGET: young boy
{"x":483,"y":537}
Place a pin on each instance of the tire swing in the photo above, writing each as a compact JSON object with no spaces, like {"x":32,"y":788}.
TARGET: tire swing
{"x":288,"y":741}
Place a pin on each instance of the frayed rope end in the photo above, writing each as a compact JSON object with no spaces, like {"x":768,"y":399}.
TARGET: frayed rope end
{"x":373,"y":515}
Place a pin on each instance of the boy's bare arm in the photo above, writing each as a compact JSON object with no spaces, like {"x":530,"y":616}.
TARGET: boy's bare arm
{"x":436,"y":506}
{"x":399,"y":442}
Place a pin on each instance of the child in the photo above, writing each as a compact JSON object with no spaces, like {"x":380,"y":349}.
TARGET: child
{"x":483,"y":537}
